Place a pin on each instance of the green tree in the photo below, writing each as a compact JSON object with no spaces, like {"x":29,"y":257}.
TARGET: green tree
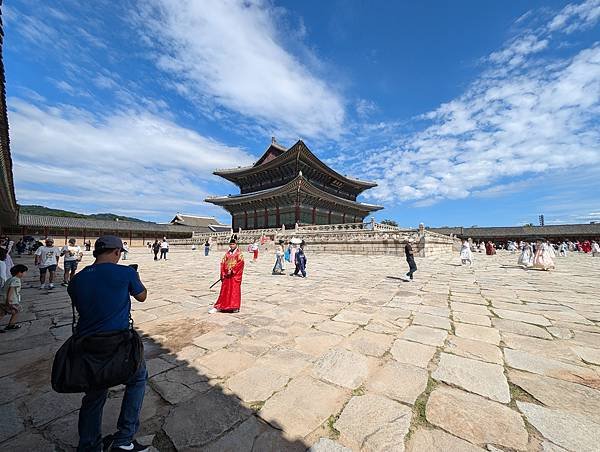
{"x":390,"y":222}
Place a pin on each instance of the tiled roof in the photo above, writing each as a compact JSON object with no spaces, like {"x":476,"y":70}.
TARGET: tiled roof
{"x":196,"y":221}
{"x":566,"y":230}
{"x":106,"y":225}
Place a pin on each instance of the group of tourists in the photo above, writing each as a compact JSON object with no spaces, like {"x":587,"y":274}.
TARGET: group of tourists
{"x":292,"y":252}
{"x":161,"y":247}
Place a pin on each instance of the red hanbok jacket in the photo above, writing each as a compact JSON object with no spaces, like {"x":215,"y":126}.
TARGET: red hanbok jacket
{"x":232,"y":269}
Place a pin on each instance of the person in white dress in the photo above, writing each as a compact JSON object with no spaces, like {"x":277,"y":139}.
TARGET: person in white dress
{"x":465,"y":254}
{"x":542,"y":259}
{"x":595,"y":249}
{"x":526,"y":257}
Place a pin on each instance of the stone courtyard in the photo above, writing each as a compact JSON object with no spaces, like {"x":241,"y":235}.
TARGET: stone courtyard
{"x":488,"y":357}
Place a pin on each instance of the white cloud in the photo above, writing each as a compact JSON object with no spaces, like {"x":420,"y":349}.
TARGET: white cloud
{"x":228,"y":53}
{"x":128,"y":160}
{"x":525,"y":116}
{"x":575,"y":17}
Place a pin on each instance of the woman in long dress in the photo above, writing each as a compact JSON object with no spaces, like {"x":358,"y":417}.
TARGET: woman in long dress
{"x":543,"y":256}
{"x":465,"y":254}
{"x":526,"y":257}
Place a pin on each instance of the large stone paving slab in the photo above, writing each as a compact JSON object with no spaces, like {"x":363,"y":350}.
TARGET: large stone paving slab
{"x":476,"y":419}
{"x":300,"y":350}
{"x":482,"y":378}
{"x":571,"y":431}
{"x":302,"y":406}
{"x":373,"y":422}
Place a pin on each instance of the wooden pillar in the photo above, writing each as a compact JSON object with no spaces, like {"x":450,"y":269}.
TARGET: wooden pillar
{"x":255,"y":219}
{"x":314,"y":215}
{"x":344,"y":217}
{"x":266,"y":218}
{"x":329,"y":217}
{"x":130,"y":237}
{"x":245,"y":219}
{"x":277,"y":217}
{"x":66,"y":235}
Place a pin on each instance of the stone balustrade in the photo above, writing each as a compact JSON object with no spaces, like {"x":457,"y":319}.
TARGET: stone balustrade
{"x":349,"y":238}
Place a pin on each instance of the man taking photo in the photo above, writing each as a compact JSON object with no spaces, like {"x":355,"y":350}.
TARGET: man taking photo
{"x":101,"y":294}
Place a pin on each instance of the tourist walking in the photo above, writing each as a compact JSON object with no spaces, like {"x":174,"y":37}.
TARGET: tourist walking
{"x":410,"y":259}
{"x":542,"y":258}
{"x":125,"y":251}
{"x":4,"y":271}
{"x":164,"y":248}
{"x":20,"y":247}
{"x":101,"y":295}
{"x":254,"y":248}
{"x":72,"y":256}
{"x":231,"y":271}
{"x":278,"y":267}
{"x":300,"y":261}
{"x":526,"y":257}
{"x":562,"y":249}
{"x":156,"y":249}
{"x":5,"y":245}
{"x":206,"y":247}
{"x":465,"y":254}
{"x":10,"y":297}
{"x":595,"y":249}
{"x":46,"y":259}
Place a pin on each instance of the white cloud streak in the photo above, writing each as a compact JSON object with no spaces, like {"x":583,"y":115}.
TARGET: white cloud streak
{"x":132,"y":160}
{"x":525,"y":116}
{"x":228,"y":53}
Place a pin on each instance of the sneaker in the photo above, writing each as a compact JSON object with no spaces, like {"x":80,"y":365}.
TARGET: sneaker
{"x":50,"y":286}
{"x":133,"y":446}
{"x":65,"y":284}
{"x":43,"y":286}
{"x":213,"y":311}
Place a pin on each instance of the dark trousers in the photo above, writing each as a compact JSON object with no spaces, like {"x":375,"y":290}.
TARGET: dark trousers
{"x":163,"y":253}
{"x":412,"y":266}
{"x":90,"y":414}
{"x":156,"y":255}
{"x":300,"y":268}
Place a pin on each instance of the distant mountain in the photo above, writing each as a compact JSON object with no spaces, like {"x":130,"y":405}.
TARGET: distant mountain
{"x":41,"y":210}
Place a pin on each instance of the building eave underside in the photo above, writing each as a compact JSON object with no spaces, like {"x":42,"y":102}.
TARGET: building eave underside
{"x":8,"y":202}
{"x":234,"y":174}
{"x":299,"y":182}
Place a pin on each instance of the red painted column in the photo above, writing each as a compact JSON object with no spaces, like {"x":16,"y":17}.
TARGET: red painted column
{"x":266,"y":218}
{"x":277,"y":217}
{"x":255,"y":219}
{"x":314,"y":215}
{"x":245,"y":219}
{"x":329,"y":217}
{"x":344,"y":217}
{"x":297,"y":213}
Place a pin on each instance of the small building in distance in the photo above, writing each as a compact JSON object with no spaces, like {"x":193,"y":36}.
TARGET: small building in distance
{"x":200,"y":224}
{"x":289,"y":186}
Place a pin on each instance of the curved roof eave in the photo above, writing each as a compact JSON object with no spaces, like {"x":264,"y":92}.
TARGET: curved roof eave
{"x":226,"y":200}
{"x":232,"y":174}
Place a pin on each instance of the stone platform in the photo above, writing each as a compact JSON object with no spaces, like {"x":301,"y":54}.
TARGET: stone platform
{"x":488,"y":357}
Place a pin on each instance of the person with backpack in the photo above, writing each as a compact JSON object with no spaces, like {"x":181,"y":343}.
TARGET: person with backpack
{"x":101,"y":295}
{"x":155,"y":249}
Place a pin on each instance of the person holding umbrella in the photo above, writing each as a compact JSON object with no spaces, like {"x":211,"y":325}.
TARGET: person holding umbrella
{"x":232,"y":270}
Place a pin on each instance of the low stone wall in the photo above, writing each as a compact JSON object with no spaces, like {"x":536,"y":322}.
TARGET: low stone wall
{"x":379,"y":242}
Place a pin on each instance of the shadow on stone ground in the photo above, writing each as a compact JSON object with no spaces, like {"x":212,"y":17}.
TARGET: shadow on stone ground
{"x":183,"y":409}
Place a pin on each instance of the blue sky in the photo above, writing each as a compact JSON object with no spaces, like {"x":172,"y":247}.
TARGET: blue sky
{"x":465,"y":113}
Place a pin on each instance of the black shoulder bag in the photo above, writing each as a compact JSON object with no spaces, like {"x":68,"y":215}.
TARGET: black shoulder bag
{"x":98,"y":361}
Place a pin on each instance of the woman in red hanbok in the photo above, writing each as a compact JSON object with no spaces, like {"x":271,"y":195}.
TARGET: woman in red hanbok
{"x":232,"y":269}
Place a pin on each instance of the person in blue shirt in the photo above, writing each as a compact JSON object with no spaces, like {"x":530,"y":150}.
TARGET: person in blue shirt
{"x":101,"y":295}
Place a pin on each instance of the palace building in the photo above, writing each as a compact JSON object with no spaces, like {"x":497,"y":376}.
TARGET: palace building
{"x":289,"y":186}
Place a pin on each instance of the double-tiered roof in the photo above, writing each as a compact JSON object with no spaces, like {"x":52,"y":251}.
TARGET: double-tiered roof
{"x":296,"y":179}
